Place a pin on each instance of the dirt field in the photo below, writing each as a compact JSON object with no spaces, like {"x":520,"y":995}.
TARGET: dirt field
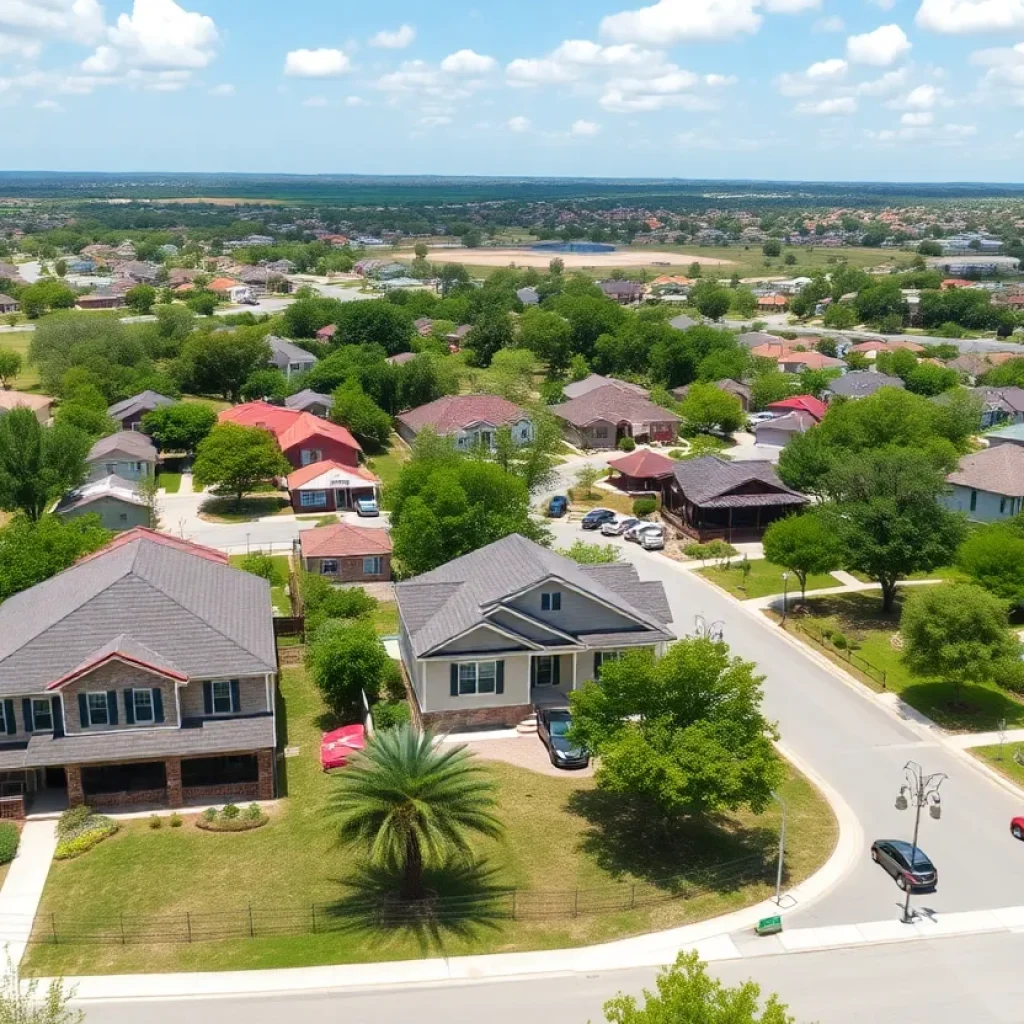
{"x":573,"y":260}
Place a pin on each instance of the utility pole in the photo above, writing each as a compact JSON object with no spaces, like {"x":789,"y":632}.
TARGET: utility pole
{"x":785,"y":598}
{"x":918,"y":790}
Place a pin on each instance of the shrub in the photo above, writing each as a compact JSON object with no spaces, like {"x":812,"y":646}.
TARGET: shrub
{"x":230,"y":812}
{"x":253,"y":812}
{"x":175,"y":821}
{"x":155,"y":821}
{"x":389,"y":714}
{"x":645,"y":506}
{"x":263,"y":565}
{"x":676,"y":453}
{"x":72,"y":820}
{"x":839,"y":641}
{"x":1008,"y":673}
{"x":720,"y":549}
{"x":626,"y":444}
{"x":210,"y":814}
{"x":93,"y":831}
{"x":9,"y":838}
{"x":696,"y":551}
{"x":393,"y":684}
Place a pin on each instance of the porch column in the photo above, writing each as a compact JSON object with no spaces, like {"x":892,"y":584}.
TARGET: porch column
{"x":574,"y":670}
{"x":265,"y":765}
{"x":172,"y":766}
{"x":76,"y":794}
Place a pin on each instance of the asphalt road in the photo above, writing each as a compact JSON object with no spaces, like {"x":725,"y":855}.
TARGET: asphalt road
{"x":860,"y":750}
{"x":970,"y":980}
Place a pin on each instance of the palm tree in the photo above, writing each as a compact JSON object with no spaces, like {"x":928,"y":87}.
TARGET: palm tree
{"x":413,"y":804}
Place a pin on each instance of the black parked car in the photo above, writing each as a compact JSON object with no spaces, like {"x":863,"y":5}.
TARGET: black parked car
{"x":596,"y":518}
{"x":908,"y":865}
{"x":553,"y":728}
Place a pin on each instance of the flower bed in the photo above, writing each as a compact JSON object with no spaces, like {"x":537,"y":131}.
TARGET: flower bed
{"x":79,"y":830}
{"x":232,"y":819}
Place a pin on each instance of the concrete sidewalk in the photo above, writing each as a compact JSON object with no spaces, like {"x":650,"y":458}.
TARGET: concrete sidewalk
{"x":23,"y":886}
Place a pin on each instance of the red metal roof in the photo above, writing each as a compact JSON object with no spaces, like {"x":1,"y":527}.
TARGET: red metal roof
{"x":642,"y":464}
{"x":306,"y":473}
{"x":804,"y":403}
{"x":290,"y":426}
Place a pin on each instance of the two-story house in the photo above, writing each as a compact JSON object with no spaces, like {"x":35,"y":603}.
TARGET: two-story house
{"x":469,"y":420}
{"x":302,"y":437}
{"x":127,"y":454}
{"x":129,"y":411}
{"x":143,"y":674}
{"x":491,"y":634}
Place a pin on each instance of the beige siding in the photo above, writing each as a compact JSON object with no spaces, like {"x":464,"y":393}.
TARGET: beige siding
{"x":578,"y":612}
{"x":110,"y":511}
{"x":526,"y":628}
{"x":117,"y":676}
{"x":481,"y":639}
{"x":252,"y":692}
{"x":438,"y":687}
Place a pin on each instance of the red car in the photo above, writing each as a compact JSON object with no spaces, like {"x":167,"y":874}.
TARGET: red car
{"x":1017,"y":827}
{"x":338,"y":746}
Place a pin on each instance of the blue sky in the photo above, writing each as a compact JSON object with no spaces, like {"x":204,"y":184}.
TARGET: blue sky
{"x":903,"y":90}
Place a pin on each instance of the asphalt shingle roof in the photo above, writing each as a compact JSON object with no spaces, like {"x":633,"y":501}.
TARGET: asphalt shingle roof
{"x":304,"y":399}
{"x":712,"y":482}
{"x":860,"y":383}
{"x":999,"y":470}
{"x":613,"y":404}
{"x":454,"y":412}
{"x":128,"y":442}
{"x":144,"y":401}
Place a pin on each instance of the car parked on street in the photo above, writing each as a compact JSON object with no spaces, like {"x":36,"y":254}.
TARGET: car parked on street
{"x":367,"y":507}
{"x":652,"y":539}
{"x":1017,"y":827}
{"x":553,"y":726}
{"x":596,"y":518}
{"x":908,"y":865}
{"x":618,"y":526}
{"x":633,"y":532}
{"x":558,"y":506}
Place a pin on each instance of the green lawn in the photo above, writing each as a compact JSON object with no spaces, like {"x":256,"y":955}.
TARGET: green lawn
{"x":19,"y":342}
{"x":561,"y":833}
{"x":253,"y":506}
{"x":948,"y":573}
{"x":385,"y":618}
{"x":859,"y":617}
{"x":216,"y":404}
{"x":764,"y":579}
{"x":170,"y":482}
{"x":1002,"y":760}
{"x":389,"y":464}
{"x":278,"y":594}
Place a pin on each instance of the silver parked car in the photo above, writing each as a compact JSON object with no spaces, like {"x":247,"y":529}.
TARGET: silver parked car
{"x":653,"y":538}
{"x":618,"y":526}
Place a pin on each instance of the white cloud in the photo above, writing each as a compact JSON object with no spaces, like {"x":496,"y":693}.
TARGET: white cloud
{"x":805,"y":83}
{"x":575,"y":58}
{"x":962,"y":17}
{"x":315,"y":101}
{"x":582,"y":127}
{"x":924,"y":97}
{"x":322,"y":63}
{"x":922,"y":132}
{"x":104,"y":61}
{"x":840,"y":105}
{"x":880,"y":48}
{"x":674,"y":21}
{"x":354,"y":101}
{"x":833,"y":23}
{"x":434,"y":121}
{"x":19,"y":46}
{"x":397,"y":40}
{"x":918,"y":118}
{"x":716,"y":81}
{"x":161,"y":34}
{"x":619,"y":102}
{"x":50,"y":105}
{"x":888,"y":83}
{"x":828,"y":70}
{"x":80,"y":21}
{"x":467,"y":62}
{"x":225,"y":89}
{"x":791,"y":6}
{"x":1005,"y":65}
{"x":519,"y":124}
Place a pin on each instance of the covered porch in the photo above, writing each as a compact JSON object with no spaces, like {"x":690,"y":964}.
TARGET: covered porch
{"x":735,"y":524}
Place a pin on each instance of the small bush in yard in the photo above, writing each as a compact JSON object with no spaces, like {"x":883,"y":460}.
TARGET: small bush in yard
{"x":230,"y":811}
{"x":253,"y":812}
{"x":393,"y":683}
{"x":155,"y":821}
{"x":645,"y":506}
{"x":720,"y":549}
{"x":389,"y":714}
{"x":263,"y":565}
{"x":696,"y":551}
{"x":72,"y":820}
{"x":626,"y":444}
{"x":839,"y":641}
{"x":9,"y":838}
{"x":175,"y":821}
{"x":78,"y":833}
{"x":210,"y":814}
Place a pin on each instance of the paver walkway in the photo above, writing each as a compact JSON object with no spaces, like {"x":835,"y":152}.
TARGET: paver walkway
{"x":23,"y":886}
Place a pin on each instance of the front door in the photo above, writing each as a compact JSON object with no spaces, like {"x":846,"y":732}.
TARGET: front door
{"x":545,"y":670}
{"x":486,"y":438}
{"x":341,"y":499}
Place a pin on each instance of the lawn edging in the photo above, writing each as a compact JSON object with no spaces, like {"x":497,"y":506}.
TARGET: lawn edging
{"x":709,"y":938}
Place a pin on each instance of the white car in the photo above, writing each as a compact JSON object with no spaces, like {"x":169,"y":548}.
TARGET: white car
{"x":618,"y":525}
{"x":652,"y":540}
{"x":760,"y":417}
{"x":633,"y":532}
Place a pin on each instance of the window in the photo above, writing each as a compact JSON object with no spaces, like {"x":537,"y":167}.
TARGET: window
{"x":477,"y":676}
{"x":311,"y":455}
{"x":328,"y":567}
{"x":544,"y":670}
{"x":99,"y":712}
{"x":551,"y":602}
{"x":312,"y":499}
{"x":143,"y":701}
{"x":600,"y":657}
{"x":42,"y":715}
{"x":1002,"y":506}
{"x":372,"y":565}
{"x":111,"y":468}
{"x":123,"y":517}
{"x":600,"y":432}
{"x":222,"y":704}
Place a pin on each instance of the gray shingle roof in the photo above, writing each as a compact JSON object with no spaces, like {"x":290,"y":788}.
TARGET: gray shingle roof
{"x":201,"y":615}
{"x":614,"y":405}
{"x":144,"y":401}
{"x":443,"y":603}
{"x":713,"y":482}
{"x":861,"y":383}
{"x":998,"y":470}
{"x":304,"y":399}
{"x":578,"y":388}
{"x":287,"y":351}
{"x":127,"y":442}
{"x":112,"y":486}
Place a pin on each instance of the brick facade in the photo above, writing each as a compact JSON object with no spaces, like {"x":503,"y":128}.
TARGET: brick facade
{"x":173,"y":768}
{"x":265,"y":764}
{"x":76,"y":794}
{"x":139,"y":797}
{"x":508,"y":716}
{"x":350,"y":570}
{"x":229,"y":793}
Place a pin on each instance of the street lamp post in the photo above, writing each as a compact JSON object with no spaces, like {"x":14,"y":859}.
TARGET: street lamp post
{"x":785,"y":596}
{"x":918,"y":790}
{"x":782,"y":847}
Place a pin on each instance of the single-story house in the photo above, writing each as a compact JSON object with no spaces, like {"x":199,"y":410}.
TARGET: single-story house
{"x":101,"y":300}
{"x":726,"y":384}
{"x":1013,"y":434}
{"x":711,"y":498}
{"x":869,"y":349}
{"x":312,"y":402}
{"x":9,"y":272}
{"x":126,"y":454}
{"x":489,"y":635}
{"x":642,"y":470}
{"x":622,"y":292}
{"x":911,"y":346}
{"x":302,"y":437}
{"x":402,"y":357}
{"x":971,"y":365}
{"x":779,"y":431}
{"x":861,"y":384}
{"x":8,"y":305}
{"x":754,"y":339}
{"x":602,"y":417}
{"x":129,"y":411}
{"x":776,"y":349}
{"x":998,"y":405}
{"x":329,"y":486}
{"x":145,"y":673}
{"x":799,"y":403}
{"x":578,"y":388}
{"x":458,"y":336}
{"x":138,"y":271}
{"x":345,"y":553}
{"x":41,"y":405}
{"x":469,"y":419}
{"x":796,"y":362}
{"x":989,"y":485}
{"x":327,"y":333}
{"x":288,"y":357}
{"x":114,"y":499}
{"x":772,"y":303}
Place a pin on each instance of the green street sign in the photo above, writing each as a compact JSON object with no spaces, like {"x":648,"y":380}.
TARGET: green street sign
{"x":769,"y":925}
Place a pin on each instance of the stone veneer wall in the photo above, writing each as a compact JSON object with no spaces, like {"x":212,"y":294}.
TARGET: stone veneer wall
{"x":509,"y":716}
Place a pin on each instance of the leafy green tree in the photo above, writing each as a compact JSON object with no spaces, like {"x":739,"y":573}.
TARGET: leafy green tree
{"x":888,"y":516}
{"x":490,"y":334}
{"x":452,"y":275}
{"x":354,"y":409}
{"x":346,"y":658}
{"x":266,"y":384}
{"x":929,"y":248}
{"x":38,"y":464}
{"x":548,"y":336}
{"x":773,"y":247}
{"x":220,"y":362}
{"x":803,"y":544}
{"x":816,"y":382}
{"x":591,"y":554}
{"x":768,"y":387}
{"x":684,"y":734}
{"x":589,"y":317}
{"x":202,"y":302}
{"x":412,"y":804}
{"x":175,"y":321}
{"x":956,"y":632}
{"x":34,"y":550}
{"x":686,"y":994}
{"x":586,"y":476}
{"x":84,"y":407}
{"x":375,"y":322}
{"x":928,"y":379}
{"x":179,"y":427}
{"x":22,"y":1001}
{"x":743,"y":302}
{"x":712,"y":300}
{"x":10,"y":367}
{"x":993,"y":556}
{"x":141,"y":298}
{"x":707,"y":407}
{"x":235,"y":459}
{"x":44,"y":295}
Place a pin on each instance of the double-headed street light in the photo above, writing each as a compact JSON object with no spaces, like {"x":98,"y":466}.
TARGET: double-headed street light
{"x":918,"y":790}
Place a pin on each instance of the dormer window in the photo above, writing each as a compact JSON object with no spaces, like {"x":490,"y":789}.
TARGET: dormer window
{"x":551,"y":602}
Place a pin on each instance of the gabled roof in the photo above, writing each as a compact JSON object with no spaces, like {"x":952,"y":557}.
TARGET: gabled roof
{"x":310,"y":476}
{"x":713,"y":482}
{"x":193,"y":612}
{"x":290,"y":426}
{"x":289,"y":350}
{"x":343,"y":540}
{"x":805,"y":403}
{"x":125,"y":649}
{"x":613,"y":404}
{"x":22,"y":400}
{"x":999,"y":470}
{"x":454,"y":598}
{"x":456,"y":412}
{"x":144,"y":401}
{"x":304,"y":399}
{"x":871,"y":345}
{"x":644,"y":463}
{"x":812,"y":360}
{"x":795,"y":422}
{"x":109,"y":487}
{"x":138,"y":533}
{"x":578,"y":388}
{"x":860,"y":383}
{"x":402,"y":357}
{"x":124,"y":442}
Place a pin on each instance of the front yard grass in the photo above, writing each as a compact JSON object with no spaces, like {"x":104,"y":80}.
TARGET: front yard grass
{"x":561,"y":833}
{"x":279,"y":593}
{"x":389,"y":464}
{"x":1001,"y":759}
{"x":600,"y":497}
{"x":385,"y":618}
{"x":763,"y":580}
{"x":859,"y":618}
{"x":253,"y":506}
{"x":170,"y":482}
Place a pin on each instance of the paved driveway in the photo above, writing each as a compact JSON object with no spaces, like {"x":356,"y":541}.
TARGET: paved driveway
{"x":524,"y":752}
